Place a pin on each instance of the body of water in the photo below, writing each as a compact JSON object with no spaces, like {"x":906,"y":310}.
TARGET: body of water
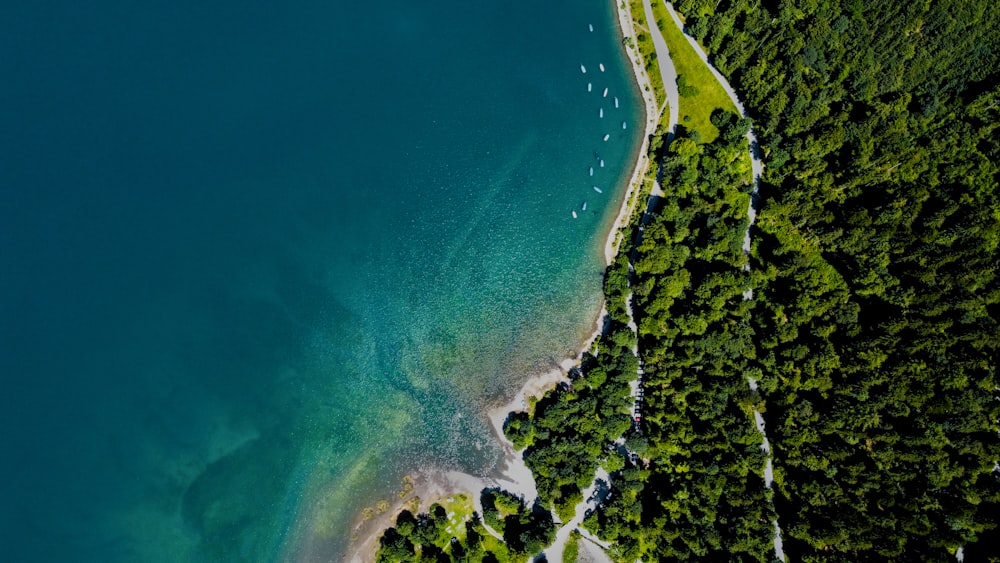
{"x":259,"y":260}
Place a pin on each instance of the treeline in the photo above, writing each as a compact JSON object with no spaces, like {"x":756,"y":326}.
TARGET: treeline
{"x":875,"y":264}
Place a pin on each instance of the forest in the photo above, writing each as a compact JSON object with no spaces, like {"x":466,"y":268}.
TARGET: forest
{"x":874,"y":265}
{"x":694,"y":488}
{"x":862,"y":325}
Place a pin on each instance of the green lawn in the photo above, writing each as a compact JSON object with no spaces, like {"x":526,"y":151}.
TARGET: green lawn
{"x":695,"y":108}
{"x":459,"y":509}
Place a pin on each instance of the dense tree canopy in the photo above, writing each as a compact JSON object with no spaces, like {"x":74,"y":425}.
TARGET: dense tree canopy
{"x":695,"y":487}
{"x":876,"y":262}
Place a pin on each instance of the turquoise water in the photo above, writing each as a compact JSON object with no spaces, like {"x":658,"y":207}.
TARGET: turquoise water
{"x":258,"y":261}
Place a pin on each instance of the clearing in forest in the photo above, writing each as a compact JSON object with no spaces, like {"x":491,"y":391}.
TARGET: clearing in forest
{"x":700,"y":92}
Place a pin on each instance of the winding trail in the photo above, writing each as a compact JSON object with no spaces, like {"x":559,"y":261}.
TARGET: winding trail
{"x":757,"y":168}
{"x":667,"y":71}
{"x":592,"y":497}
{"x":756,"y":165}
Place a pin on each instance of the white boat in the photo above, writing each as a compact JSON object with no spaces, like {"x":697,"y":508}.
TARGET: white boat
{"x":590,"y":86}
{"x":584,"y":208}
{"x":583,"y":69}
{"x":616,"y":101}
{"x":602,"y":163}
{"x":591,"y":170}
{"x":591,"y":27}
{"x":601,"y":65}
{"x":598,"y":190}
{"x":623,"y":125}
{"x":605,"y":92}
{"x":602,"y":113}
{"x":574,"y":214}
{"x":607,"y":136}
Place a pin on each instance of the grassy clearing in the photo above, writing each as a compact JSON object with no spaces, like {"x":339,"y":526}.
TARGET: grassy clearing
{"x":701,"y":93}
{"x":572,"y":552}
{"x":497,"y":548}
{"x":459,"y":509}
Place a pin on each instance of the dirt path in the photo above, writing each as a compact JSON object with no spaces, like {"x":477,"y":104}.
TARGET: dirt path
{"x":756,"y":165}
{"x":757,"y":168}
{"x":592,"y":497}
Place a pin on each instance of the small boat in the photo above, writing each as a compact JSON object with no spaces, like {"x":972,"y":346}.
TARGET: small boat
{"x":590,"y":86}
{"x":602,"y":113}
{"x":583,"y":69}
{"x":623,"y":125}
{"x":584,"y":208}
{"x":607,"y":136}
{"x":616,"y":101}
{"x":601,"y":65}
{"x":598,"y":190}
{"x":591,"y":170}
{"x":602,"y":163}
{"x":591,"y":27}
{"x":574,"y":214}
{"x":605,"y":92}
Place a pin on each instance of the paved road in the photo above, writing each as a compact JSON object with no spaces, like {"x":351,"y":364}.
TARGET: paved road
{"x":667,"y":71}
{"x":592,"y":497}
{"x":591,"y":500}
{"x":669,"y":76}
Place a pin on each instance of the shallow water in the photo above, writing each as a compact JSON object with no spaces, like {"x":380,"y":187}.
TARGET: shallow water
{"x":259,"y":261}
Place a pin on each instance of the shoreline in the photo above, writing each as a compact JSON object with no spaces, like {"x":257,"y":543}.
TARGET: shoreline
{"x":651,"y":114}
{"x":429,"y":486}
{"x":513,"y":474}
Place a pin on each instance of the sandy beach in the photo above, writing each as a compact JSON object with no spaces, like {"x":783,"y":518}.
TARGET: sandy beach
{"x":514,"y":475}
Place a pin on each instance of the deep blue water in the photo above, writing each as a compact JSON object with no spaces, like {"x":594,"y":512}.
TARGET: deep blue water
{"x":259,"y":260}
